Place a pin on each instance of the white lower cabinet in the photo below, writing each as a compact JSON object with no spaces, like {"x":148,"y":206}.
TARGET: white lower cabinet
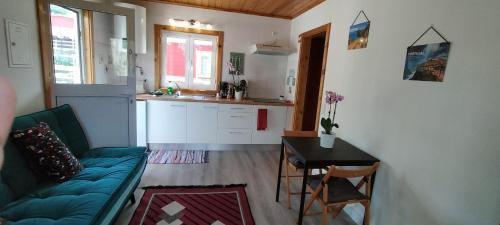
{"x":235,"y":108}
{"x":212,"y":123}
{"x":202,"y":122}
{"x":236,"y":123}
{"x":237,"y":120}
{"x":234,"y":136}
{"x":166,"y":122}
{"x":276,"y":122}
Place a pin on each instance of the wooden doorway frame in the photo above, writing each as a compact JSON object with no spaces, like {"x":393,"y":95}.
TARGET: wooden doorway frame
{"x":46,"y":49}
{"x":302,"y":72}
{"x":45,"y":40}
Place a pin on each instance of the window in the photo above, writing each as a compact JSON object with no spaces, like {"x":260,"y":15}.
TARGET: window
{"x":88,"y":47}
{"x":66,"y":44}
{"x":188,"y":60}
{"x":188,"y":57}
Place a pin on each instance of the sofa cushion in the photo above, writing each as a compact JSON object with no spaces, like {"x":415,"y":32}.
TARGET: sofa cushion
{"x":7,"y":194}
{"x":69,"y":124}
{"x":62,"y":120}
{"x":106,"y":152}
{"x":49,"y":156}
{"x":83,"y":198}
{"x":16,"y":177}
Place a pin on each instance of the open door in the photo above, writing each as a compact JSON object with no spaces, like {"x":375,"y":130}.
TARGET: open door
{"x":310,"y":77}
{"x":91,"y":64}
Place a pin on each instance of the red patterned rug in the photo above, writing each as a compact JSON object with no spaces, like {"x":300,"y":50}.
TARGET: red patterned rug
{"x":194,"y":205}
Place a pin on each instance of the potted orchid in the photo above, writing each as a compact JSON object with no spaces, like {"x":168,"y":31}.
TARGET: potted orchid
{"x":238,"y":92}
{"x":328,"y":136}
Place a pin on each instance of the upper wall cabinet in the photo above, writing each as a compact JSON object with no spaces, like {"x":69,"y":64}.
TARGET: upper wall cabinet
{"x":140,"y":26}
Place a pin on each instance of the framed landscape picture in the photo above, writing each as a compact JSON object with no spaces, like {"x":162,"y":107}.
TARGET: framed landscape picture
{"x":358,"y":35}
{"x":238,"y":61}
{"x":427,"y":62}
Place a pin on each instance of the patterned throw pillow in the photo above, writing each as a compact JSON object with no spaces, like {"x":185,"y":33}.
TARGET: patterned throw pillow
{"x":48,"y":154}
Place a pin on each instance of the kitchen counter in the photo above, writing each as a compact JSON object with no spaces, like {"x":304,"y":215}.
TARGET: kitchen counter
{"x":211,"y":99}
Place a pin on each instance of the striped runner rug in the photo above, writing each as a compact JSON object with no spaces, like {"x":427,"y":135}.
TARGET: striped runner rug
{"x":194,"y":205}
{"x":177,"y":157}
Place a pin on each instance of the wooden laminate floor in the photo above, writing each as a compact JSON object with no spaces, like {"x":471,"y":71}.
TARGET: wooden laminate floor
{"x":258,"y":169}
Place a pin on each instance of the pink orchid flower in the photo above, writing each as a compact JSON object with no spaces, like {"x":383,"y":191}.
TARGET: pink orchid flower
{"x":338,"y":98}
{"x":330,"y":97}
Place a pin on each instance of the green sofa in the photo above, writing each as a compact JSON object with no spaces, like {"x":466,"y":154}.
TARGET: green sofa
{"x":96,"y":195}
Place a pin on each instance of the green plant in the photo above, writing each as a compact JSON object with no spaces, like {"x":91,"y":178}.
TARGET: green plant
{"x":237,"y":88}
{"x":327,"y":123}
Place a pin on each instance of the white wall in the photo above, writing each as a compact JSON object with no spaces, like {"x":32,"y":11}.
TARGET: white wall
{"x":27,"y":81}
{"x":103,"y":33}
{"x":108,"y":31}
{"x":265,"y":74}
{"x":438,"y":142}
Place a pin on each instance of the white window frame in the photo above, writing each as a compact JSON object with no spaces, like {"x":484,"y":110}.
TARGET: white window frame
{"x":190,"y":39}
{"x":80,"y":45}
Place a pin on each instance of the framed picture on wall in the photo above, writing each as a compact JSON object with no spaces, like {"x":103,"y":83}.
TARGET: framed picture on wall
{"x":426,"y":62}
{"x":238,"y":61}
{"x":358,"y":35}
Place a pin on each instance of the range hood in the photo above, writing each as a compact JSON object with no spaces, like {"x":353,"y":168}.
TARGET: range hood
{"x":270,"y":49}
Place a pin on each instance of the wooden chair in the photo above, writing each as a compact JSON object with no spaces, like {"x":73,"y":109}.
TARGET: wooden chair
{"x":291,"y":161}
{"x":334,"y":191}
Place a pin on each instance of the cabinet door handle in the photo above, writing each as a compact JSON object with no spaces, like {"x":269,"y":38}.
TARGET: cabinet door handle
{"x":237,"y":108}
{"x":209,"y":107}
{"x":236,"y":132}
{"x":236,"y":116}
{"x":178,"y":106}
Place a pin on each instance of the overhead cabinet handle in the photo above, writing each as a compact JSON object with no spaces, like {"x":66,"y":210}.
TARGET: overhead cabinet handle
{"x":236,"y":116}
{"x":178,"y":106}
{"x":237,"y":108}
{"x":235,"y":132}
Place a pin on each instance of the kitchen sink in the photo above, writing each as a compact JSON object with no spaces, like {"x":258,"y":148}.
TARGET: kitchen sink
{"x":183,"y":96}
{"x":267,"y":100}
{"x":195,"y":97}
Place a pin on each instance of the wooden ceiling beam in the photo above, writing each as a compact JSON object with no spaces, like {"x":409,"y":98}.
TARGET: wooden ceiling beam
{"x":218,"y":4}
{"x":280,"y":9}
{"x":306,"y":7}
{"x":219,"y":9}
{"x":238,"y":4}
{"x":284,"y":9}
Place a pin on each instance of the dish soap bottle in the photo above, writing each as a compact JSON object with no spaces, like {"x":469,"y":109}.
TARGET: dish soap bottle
{"x":170,"y":88}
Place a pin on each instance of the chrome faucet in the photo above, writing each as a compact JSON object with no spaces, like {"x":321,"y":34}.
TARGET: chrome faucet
{"x":178,"y":91}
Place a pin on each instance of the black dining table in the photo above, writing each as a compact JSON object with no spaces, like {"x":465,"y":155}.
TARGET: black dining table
{"x":309,"y":152}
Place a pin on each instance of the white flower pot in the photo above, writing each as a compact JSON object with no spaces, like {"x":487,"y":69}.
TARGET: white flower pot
{"x":327,"y":140}
{"x":238,"y":95}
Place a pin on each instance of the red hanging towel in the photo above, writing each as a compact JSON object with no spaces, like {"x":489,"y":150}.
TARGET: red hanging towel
{"x":261,"y":119}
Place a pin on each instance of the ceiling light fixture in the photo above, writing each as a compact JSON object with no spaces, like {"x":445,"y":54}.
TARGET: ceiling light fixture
{"x":171,"y":21}
{"x":197,"y":24}
{"x":189,"y":23}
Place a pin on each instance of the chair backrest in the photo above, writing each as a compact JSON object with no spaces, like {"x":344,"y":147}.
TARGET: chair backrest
{"x":299,"y":133}
{"x":365,"y":173}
